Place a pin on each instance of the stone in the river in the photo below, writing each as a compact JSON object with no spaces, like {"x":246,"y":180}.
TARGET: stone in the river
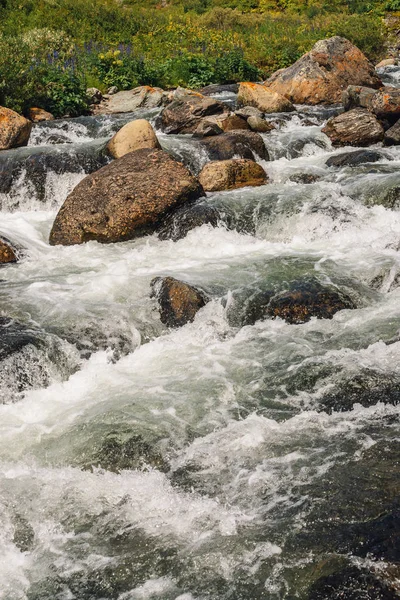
{"x":133,"y":136}
{"x":189,"y":216}
{"x":14,"y":129}
{"x":232,"y":174}
{"x":306,"y":299}
{"x":178,"y":301}
{"x":207,"y":128}
{"x":304,"y":178}
{"x":249,"y":111}
{"x":260,"y":125}
{"x":184,"y":115}
{"x":215,"y":88}
{"x":392,"y":135}
{"x":353,"y":583}
{"x":357,"y":127}
{"x":130,"y":100}
{"x":352,"y":159}
{"x":37,"y":115}
{"x":7,"y":252}
{"x":261,"y":97}
{"x":228,"y":121}
{"x":386,"y":102}
{"x":242,"y":144}
{"x":357,"y":96}
{"x":125,"y":199}
{"x":321,"y":75}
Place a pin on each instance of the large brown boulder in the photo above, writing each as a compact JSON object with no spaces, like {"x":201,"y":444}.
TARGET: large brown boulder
{"x":184,"y":115}
{"x":133,"y":136}
{"x":321,"y":75}
{"x":263,"y":98}
{"x":14,"y":129}
{"x":178,"y":301}
{"x":130,"y":100}
{"x":231,"y":174}
{"x":125,"y":199}
{"x":357,"y":127}
{"x":242,"y":144}
{"x":7,"y":252}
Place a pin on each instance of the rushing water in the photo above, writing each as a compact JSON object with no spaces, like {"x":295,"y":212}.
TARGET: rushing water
{"x":140,"y":463}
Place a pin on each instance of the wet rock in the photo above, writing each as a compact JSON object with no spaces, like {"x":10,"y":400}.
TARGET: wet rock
{"x":94,"y":95}
{"x":215,"y":88}
{"x":306,"y":299}
{"x":260,"y":125}
{"x":178,"y":301}
{"x":366,"y":388}
{"x":133,"y":136}
{"x":242,"y":144}
{"x":14,"y":129}
{"x":130,"y":100}
{"x":178,"y":224}
{"x":247,"y":306}
{"x":356,"y":96}
{"x":304,"y":178}
{"x":358,"y":127}
{"x":263,"y":98}
{"x":15,"y":336}
{"x":249,"y":111}
{"x":37,"y":115}
{"x":386,"y":102}
{"x":125,"y":199}
{"x":184,"y":115}
{"x":352,"y":583}
{"x":321,"y":75}
{"x":352,"y":159}
{"x":228,"y":122}
{"x":231,"y":174}
{"x":207,"y":128}
{"x":7,"y":252}
{"x":392,"y":135}
{"x":24,"y":536}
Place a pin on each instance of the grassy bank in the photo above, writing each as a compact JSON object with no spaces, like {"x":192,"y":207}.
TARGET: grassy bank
{"x":51,"y":50}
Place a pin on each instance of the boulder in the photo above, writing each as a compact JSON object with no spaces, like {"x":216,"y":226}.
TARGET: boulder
{"x":125,"y":199}
{"x":178,"y":301}
{"x":353,"y":159}
{"x":14,"y":129}
{"x":386,"y":102}
{"x":133,"y":136}
{"x":189,"y":216}
{"x":249,"y":111}
{"x":306,"y":299}
{"x":321,"y":75}
{"x":353,"y":583}
{"x":228,"y":122}
{"x":7,"y":252}
{"x":37,"y":115}
{"x":386,"y":62}
{"x":356,"y":96}
{"x":392,"y":135}
{"x":261,"y":97}
{"x":207,"y":128}
{"x":231,"y":174}
{"x":215,"y":88}
{"x":130,"y":100}
{"x":184,"y":115}
{"x":357,"y":127}
{"x":260,"y":125}
{"x":242,"y":144}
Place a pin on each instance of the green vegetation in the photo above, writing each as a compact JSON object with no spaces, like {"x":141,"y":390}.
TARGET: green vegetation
{"x":51,"y":50}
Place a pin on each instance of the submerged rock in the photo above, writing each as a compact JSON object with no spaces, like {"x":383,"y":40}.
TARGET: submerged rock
{"x":263,"y":98}
{"x":231,"y":174}
{"x":304,"y":178}
{"x":133,"y":136}
{"x":353,"y":159}
{"x":306,"y":299}
{"x":353,"y":583}
{"x":321,"y":75}
{"x":14,"y":129}
{"x":242,"y":144}
{"x":358,"y":127}
{"x":178,"y":301}
{"x":7,"y":252}
{"x":178,"y":224}
{"x":125,"y":199}
{"x":184,"y":115}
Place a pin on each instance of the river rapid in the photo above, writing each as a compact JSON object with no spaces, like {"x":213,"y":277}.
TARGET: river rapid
{"x":215,"y":461}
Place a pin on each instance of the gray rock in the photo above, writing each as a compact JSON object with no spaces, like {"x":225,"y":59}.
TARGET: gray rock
{"x":352,"y":159}
{"x":357,"y":127}
{"x":242,"y":144}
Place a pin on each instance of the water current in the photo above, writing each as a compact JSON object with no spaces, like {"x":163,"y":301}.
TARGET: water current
{"x":203,"y":463}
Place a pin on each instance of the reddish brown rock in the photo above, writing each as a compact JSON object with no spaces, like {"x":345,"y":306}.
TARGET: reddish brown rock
{"x":185,"y":114}
{"x":357,"y":127}
{"x":386,"y":102}
{"x":37,"y":115}
{"x":14,"y":129}
{"x":125,"y":199}
{"x":7,"y":253}
{"x":263,"y":98}
{"x":321,"y":75}
{"x":178,"y":301}
{"x":232,"y":174}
